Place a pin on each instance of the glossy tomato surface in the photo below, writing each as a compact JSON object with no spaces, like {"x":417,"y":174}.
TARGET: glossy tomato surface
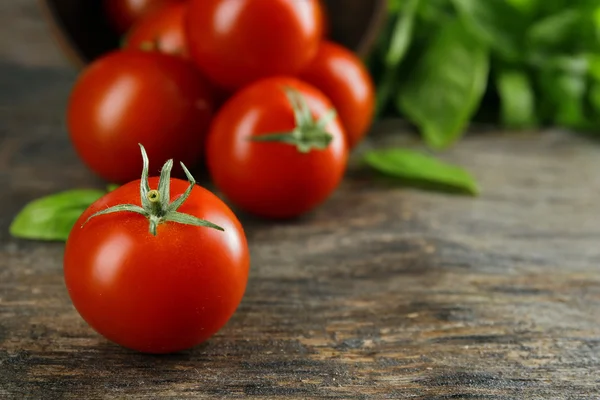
{"x":162,"y":30}
{"x":163,"y":293}
{"x":122,"y":14}
{"x":236,"y":42}
{"x":343,"y":77}
{"x":273,"y":179}
{"x":131,"y":97}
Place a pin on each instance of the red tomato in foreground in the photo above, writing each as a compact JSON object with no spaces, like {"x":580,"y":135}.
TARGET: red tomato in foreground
{"x":163,"y":293}
{"x":273,"y":179}
{"x":124,"y":13}
{"x":343,"y":77}
{"x":128,"y":97}
{"x":162,"y":29}
{"x":235,"y":42}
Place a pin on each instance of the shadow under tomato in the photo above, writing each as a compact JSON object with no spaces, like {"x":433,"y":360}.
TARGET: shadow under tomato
{"x":113,"y":349}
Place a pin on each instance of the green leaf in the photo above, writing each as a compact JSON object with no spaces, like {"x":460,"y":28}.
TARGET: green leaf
{"x":111,"y":186}
{"x":565,"y":94}
{"x":400,"y":41}
{"x":555,"y":30}
{"x":578,"y":64}
{"x":567,"y":27}
{"x":517,"y":99}
{"x":435,"y":12}
{"x":594,"y":65}
{"x":416,"y":168}
{"x":582,"y":31}
{"x":594,"y":107}
{"x":402,"y":34}
{"x":594,"y":97}
{"x":394,"y":6}
{"x":497,"y":22}
{"x":446,"y":86}
{"x":52,"y":217}
{"x":575,"y":64}
{"x":525,"y":6}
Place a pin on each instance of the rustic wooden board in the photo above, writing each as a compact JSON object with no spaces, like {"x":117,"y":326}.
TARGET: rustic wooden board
{"x":384,"y":292}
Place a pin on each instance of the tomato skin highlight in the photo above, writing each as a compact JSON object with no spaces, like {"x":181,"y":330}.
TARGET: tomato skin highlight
{"x":343,"y":77}
{"x":236,"y":42}
{"x":131,"y":97}
{"x":123,"y":14}
{"x":273,"y":180}
{"x":157,"y":294}
{"x":163,"y":28}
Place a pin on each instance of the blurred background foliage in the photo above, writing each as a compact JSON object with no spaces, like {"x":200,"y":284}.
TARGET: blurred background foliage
{"x":522,"y":64}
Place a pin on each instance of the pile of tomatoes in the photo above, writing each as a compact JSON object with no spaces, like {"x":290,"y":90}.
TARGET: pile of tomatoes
{"x":251,"y":90}
{"x":248,"y":89}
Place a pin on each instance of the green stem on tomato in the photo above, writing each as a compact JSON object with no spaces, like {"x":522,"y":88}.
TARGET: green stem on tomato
{"x":155,"y":203}
{"x":308,"y":133}
{"x":151,"y":45}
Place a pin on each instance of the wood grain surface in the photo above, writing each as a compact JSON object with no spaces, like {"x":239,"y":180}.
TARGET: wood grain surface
{"x":383,"y":293}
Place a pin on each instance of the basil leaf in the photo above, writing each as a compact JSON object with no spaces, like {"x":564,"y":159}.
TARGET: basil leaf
{"x":594,"y":61}
{"x":555,"y":30}
{"x":402,"y":34}
{"x":517,"y":99}
{"x":578,"y":64}
{"x":394,"y":6}
{"x":52,"y":217}
{"x":446,"y":85}
{"x":565,"y":97}
{"x":415,"y":168}
{"x":401,"y":37}
{"x":497,"y":22}
{"x":594,"y":97}
{"x":525,"y":6}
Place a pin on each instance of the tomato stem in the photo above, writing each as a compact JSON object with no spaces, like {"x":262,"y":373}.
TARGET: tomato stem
{"x":308,"y":133}
{"x":155,"y":203}
{"x":154,"y":196}
{"x":151,"y":45}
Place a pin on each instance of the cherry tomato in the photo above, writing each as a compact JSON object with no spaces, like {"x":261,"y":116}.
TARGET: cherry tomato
{"x":290,"y":174}
{"x":124,"y":13}
{"x":235,"y":42}
{"x":162,"y":291}
{"x":131,"y":97}
{"x":342,"y":76}
{"x":161,"y":29}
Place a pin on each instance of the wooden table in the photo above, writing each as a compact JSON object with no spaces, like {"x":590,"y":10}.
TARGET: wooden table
{"x":384,"y":292}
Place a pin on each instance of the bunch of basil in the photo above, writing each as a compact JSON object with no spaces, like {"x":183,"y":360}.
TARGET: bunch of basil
{"x":521,"y":63}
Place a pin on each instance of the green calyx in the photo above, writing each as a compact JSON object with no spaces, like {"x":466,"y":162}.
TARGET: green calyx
{"x":308,"y":133}
{"x":156,"y":205}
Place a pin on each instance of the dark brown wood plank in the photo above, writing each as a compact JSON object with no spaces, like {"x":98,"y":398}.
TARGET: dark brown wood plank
{"x":384,"y":292}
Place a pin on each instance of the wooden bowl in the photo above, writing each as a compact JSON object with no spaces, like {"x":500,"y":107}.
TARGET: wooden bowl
{"x":84,"y":34}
